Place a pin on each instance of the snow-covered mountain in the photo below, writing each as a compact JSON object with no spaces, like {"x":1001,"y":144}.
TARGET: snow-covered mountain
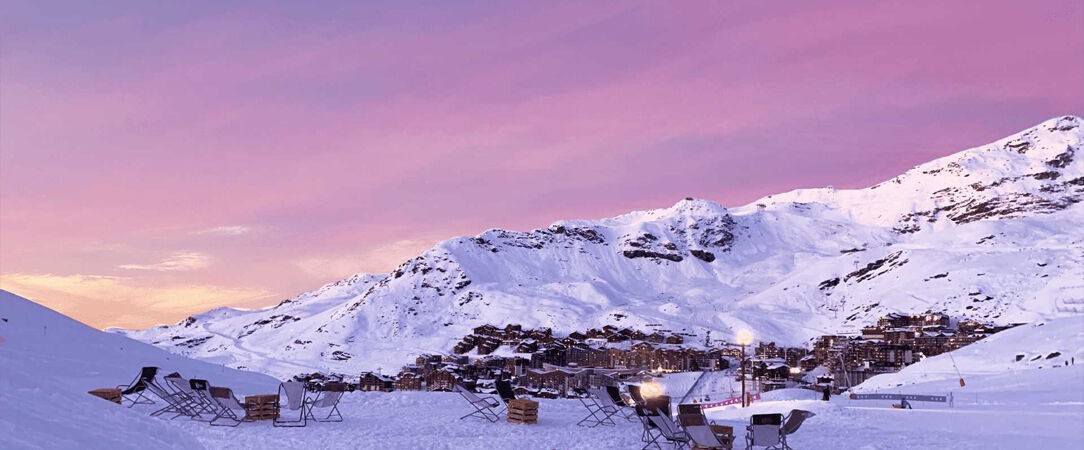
{"x":992,"y":233}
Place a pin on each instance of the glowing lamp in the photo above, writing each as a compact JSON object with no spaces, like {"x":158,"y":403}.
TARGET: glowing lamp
{"x":650,"y":389}
{"x":745,"y":337}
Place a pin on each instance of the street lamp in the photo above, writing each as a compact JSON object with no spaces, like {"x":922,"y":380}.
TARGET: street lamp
{"x":744,"y":338}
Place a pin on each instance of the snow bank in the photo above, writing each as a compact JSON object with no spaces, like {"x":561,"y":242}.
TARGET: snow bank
{"x":1043,"y":345}
{"x":48,"y":362}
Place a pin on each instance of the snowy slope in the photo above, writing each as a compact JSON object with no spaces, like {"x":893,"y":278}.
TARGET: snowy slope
{"x":1048,"y":345}
{"x":48,"y":362}
{"x":991,"y":233}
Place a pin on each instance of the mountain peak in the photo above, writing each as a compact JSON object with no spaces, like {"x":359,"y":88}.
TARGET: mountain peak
{"x":697,"y":207}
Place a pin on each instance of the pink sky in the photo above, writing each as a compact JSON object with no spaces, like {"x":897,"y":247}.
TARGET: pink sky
{"x":160,"y":160}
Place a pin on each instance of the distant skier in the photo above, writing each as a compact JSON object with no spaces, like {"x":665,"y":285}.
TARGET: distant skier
{"x":827,"y":393}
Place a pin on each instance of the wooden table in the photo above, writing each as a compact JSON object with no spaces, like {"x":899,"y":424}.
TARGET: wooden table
{"x":110,"y":394}
{"x":262,"y":407}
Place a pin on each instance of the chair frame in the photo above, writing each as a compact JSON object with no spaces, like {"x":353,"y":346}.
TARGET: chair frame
{"x":225,"y":411}
{"x":140,"y":394}
{"x":598,"y":403}
{"x":672,"y":432}
{"x":334,"y":415}
{"x":781,"y":444}
{"x":176,"y":402}
{"x":483,"y":406}
{"x":303,"y":419}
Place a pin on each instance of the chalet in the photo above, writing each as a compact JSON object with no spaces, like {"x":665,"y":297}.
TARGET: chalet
{"x":408,"y":381}
{"x":615,"y":338}
{"x":488,"y":345}
{"x":527,"y":346}
{"x":440,"y":380}
{"x":674,"y":339}
{"x":553,"y":379}
{"x":590,"y":378}
{"x":370,"y":381}
{"x":487,"y":330}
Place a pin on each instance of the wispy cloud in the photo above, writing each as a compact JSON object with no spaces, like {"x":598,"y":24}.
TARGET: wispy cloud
{"x":226,"y":230}
{"x":124,"y":302}
{"x":374,"y":260}
{"x":177,"y":262}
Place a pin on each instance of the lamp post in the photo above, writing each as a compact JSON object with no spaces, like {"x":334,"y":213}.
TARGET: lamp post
{"x":744,"y":338}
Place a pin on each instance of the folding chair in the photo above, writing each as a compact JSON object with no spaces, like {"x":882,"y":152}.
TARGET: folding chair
{"x":691,"y":418}
{"x":669,"y":430}
{"x":135,"y":391}
{"x":765,"y":430}
{"x":193,"y":401}
{"x":228,"y":408}
{"x":792,"y":422}
{"x":504,"y":389}
{"x":327,"y":398}
{"x":202,"y":390}
{"x":598,"y":412}
{"x":176,"y":402}
{"x":614,"y":393}
{"x":483,"y":406}
{"x":295,"y":401}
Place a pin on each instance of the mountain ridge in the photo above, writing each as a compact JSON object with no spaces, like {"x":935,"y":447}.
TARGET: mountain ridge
{"x":788,"y":266}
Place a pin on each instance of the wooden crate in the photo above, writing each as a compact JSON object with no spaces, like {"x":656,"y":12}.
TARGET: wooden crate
{"x":110,"y":394}
{"x":262,"y":407}
{"x":522,"y":411}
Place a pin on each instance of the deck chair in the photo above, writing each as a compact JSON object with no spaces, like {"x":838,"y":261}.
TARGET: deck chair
{"x":764,"y":430}
{"x":504,"y":389}
{"x":135,"y":391}
{"x":614,"y":393}
{"x":295,"y":401}
{"x":176,"y":402}
{"x":599,"y":409}
{"x":193,"y":401}
{"x":699,"y":430}
{"x":230,"y":411}
{"x":483,"y":406}
{"x":327,"y":399}
{"x":792,"y":422}
{"x":669,"y":430}
{"x":202,"y":390}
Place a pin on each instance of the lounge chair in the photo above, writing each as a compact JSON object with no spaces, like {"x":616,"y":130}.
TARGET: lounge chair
{"x":699,"y":430}
{"x":765,"y":430}
{"x":614,"y":393}
{"x":599,"y":409}
{"x":504,"y":389}
{"x":295,"y":401}
{"x":483,"y":406}
{"x":135,"y":391}
{"x":792,"y":422}
{"x":194,"y":402}
{"x":230,"y":411}
{"x":327,"y":399}
{"x":647,"y":408}
{"x":672,"y":432}
{"x":176,"y":401}
{"x":202,"y":390}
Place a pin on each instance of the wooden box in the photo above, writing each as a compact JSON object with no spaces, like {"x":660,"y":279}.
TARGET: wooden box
{"x":262,"y":407}
{"x":522,"y":411}
{"x":112,"y":395}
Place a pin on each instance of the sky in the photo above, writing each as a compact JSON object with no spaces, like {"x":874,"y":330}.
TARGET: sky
{"x":159,"y":159}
